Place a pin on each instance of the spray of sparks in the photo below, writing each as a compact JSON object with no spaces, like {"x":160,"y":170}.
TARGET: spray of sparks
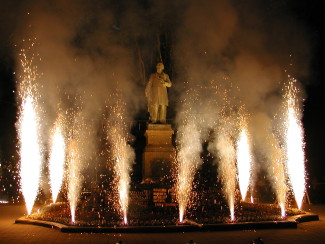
{"x":28,"y":127}
{"x":227,"y":168}
{"x":56,"y":162}
{"x":188,"y":159}
{"x":74,"y":178}
{"x":244,"y":162}
{"x":122,"y":156}
{"x":30,"y":163}
{"x":223,"y":147}
{"x":189,"y":147}
{"x":295,"y":145}
{"x":74,"y":155}
{"x":277,"y":175}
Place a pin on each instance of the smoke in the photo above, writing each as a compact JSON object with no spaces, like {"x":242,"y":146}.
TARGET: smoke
{"x":224,"y":147}
{"x":248,"y":42}
{"x":226,"y":53}
{"x":268,"y":147}
{"x":85,"y":57}
{"x":235,"y":55}
{"x":189,"y":146}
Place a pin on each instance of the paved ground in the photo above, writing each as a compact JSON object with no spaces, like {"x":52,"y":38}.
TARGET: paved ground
{"x":309,"y":232}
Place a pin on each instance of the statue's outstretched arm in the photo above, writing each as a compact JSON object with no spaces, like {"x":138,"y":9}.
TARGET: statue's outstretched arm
{"x":168,"y":83}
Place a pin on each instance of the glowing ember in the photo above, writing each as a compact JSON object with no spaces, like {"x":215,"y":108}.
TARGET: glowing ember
{"x":74,"y":180}
{"x":295,"y":147}
{"x":56,"y":162}
{"x":244,"y":160}
{"x":29,"y":152}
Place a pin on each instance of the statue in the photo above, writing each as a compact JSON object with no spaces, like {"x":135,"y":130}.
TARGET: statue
{"x":156,"y":93}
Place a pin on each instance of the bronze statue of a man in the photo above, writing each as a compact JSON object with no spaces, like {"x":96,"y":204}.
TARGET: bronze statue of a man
{"x":156,"y":93}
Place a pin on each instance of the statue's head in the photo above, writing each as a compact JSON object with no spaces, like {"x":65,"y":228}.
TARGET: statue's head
{"x":160,"y":67}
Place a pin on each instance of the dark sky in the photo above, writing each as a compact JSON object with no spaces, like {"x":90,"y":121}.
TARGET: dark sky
{"x":309,"y":15}
{"x":312,"y":13}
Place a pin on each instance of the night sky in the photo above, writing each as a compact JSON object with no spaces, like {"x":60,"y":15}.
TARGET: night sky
{"x":307,"y":18}
{"x":313,"y":120}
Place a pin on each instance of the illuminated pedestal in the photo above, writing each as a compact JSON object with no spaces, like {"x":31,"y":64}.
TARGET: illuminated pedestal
{"x":159,"y":152}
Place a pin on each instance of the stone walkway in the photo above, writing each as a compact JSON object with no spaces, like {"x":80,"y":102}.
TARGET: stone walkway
{"x":309,"y":232}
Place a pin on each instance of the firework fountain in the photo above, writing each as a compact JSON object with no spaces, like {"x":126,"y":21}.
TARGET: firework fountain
{"x":74,"y":177}
{"x":227,"y":168}
{"x":188,"y":159}
{"x":189,"y":146}
{"x":57,"y":161}
{"x":223,"y":147}
{"x":276,"y":171}
{"x":244,"y":161}
{"x":30,"y":153}
{"x":121,"y":153}
{"x":75,"y":158}
{"x":294,"y":144}
{"x":28,"y":127}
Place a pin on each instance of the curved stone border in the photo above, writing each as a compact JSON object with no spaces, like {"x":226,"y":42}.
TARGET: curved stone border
{"x":291,"y":222}
{"x":48,"y":224}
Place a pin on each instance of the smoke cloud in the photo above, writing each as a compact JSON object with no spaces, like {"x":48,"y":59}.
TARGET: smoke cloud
{"x":237,"y":56}
{"x":227,"y":53}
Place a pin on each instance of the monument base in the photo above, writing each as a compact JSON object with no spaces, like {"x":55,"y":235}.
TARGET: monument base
{"x":159,"y":152}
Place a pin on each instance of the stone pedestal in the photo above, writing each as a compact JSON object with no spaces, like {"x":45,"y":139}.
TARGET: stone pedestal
{"x":159,"y":152}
